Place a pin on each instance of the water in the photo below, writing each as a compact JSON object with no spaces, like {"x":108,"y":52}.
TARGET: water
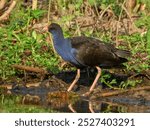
{"x":43,"y":100}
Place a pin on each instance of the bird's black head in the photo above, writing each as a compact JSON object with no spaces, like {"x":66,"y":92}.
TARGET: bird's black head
{"x":54,"y":27}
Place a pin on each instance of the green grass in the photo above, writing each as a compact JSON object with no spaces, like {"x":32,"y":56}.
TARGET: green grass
{"x":15,"y":45}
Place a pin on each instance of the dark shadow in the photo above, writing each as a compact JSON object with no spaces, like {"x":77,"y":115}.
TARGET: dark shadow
{"x":87,"y":77}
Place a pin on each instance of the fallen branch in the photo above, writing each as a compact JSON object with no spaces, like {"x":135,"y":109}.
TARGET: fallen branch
{"x":10,"y":86}
{"x":34,"y":4}
{"x":118,"y":92}
{"x":2,"y":4}
{"x":7,"y":12}
{"x":30,"y":69}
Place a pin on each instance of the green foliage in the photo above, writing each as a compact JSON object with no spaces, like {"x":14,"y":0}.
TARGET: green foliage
{"x":148,"y":41}
{"x":147,"y":2}
{"x":14,"y":45}
{"x":138,"y":45}
{"x":129,"y":83}
{"x":37,"y":13}
{"x":114,"y":5}
{"x":108,"y":81}
{"x":92,"y":2}
{"x":143,"y":21}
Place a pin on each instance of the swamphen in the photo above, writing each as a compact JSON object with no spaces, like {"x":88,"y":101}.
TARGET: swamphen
{"x":85,"y":51}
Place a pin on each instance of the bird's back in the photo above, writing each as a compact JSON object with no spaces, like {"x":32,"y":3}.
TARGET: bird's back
{"x":93,"y":52}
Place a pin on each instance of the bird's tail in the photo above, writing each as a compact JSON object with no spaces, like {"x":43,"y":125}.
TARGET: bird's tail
{"x":123,"y":53}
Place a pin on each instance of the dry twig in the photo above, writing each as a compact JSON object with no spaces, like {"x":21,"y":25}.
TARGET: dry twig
{"x":30,"y":69}
{"x":2,"y":4}
{"x":34,"y":4}
{"x":117,"y":26}
{"x":118,"y":92}
{"x":131,"y":20}
{"x":7,"y":12}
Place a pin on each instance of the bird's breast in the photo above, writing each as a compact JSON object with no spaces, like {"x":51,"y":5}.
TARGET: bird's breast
{"x":66,"y":54}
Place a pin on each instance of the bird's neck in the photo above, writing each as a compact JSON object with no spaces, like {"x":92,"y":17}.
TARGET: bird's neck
{"x":58,"y":38}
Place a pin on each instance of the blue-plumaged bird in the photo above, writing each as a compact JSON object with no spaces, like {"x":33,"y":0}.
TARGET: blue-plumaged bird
{"x":82,"y":52}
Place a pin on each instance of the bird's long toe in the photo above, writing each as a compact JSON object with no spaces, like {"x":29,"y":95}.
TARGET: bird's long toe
{"x":75,"y":81}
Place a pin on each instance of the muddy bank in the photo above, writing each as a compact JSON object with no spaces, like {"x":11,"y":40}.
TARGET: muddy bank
{"x":51,"y":92}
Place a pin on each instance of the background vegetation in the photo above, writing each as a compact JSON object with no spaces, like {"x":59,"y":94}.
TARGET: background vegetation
{"x":124,"y":23}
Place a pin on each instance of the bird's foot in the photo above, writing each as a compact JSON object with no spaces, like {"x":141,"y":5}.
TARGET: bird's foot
{"x":71,"y":108}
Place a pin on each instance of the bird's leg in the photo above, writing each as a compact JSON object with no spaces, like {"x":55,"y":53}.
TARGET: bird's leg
{"x":75,"y":80}
{"x":91,"y":107}
{"x":95,"y":81}
{"x":88,"y":73}
{"x":71,"y":108}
